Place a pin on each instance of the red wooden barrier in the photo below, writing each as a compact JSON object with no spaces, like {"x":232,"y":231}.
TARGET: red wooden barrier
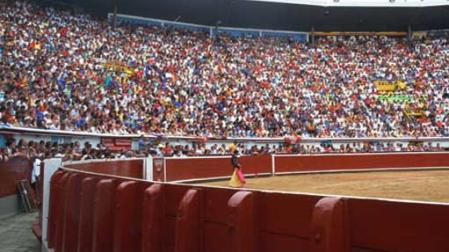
{"x":72,"y":213}
{"x":128,"y":216}
{"x":286,"y":221}
{"x":57,"y":185}
{"x":153,"y":219}
{"x":188,"y":226}
{"x":123,"y":168}
{"x":11,"y":172}
{"x":329,"y":227}
{"x":103,"y":224}
{"x":61,"y":217}
{"x":195,"y":168}
{"x":215,"y":224}
{"x":322,"y":162}
{"x":88,"y":190}
{"x":397,"y":226}
{"x":173,"y":195}
{"x":241,"y":222}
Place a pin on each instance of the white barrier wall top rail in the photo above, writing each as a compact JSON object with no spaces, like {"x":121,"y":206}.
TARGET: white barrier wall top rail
{"x":5,"y":129}
{"x":21,"y":130}
{"x":90,"y":161}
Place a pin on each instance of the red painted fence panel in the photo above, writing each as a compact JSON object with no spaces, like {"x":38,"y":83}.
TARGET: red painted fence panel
{"x":103,"y":223}
{"x":188,"y":226}
{"x":11,"y":172}
{"x":241,"y":222}
{"x":128,"y":216}
{"x":88,"y":190}
{"x":322,"y":162}
{"x":286,"y":221}
{"x":132,"y":215}
{"x":57,"y":186}
{"x":329,"y":226}
{"x":398,"y":226}
{"x":215,"y":218}
{"x":62,"y":216}
{"x":153,"y":222}
{"x":123,"y":168}
{"x":195,"y":168}
{"x":71,"y":223}
{"x":173,"y":195}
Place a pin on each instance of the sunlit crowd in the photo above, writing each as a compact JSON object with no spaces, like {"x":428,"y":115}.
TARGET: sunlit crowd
{"x":72,"y":72}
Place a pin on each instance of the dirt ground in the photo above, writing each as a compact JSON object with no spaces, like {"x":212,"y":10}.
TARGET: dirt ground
{"x":410,"y":185}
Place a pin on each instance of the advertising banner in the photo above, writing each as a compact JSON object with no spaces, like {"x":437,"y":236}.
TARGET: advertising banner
{"x":117,"y":144}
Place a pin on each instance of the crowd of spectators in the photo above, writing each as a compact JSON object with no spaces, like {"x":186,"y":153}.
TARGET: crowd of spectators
{"x":65,"y":71}
{"x":324,"y":147}
{"x":43,"y":150}
{"x":75,"y":151}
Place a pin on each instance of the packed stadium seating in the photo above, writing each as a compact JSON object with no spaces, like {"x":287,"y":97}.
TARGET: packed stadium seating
{"x":73,"y":72}
{"x":144,"y":90}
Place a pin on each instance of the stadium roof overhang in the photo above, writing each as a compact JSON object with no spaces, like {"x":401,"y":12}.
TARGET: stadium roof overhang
{"x":296,"y":15}
{"x":363,"y":3}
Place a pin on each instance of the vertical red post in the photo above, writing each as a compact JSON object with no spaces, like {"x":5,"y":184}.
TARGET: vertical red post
{"x":241,"y":222}
{"x":70,"y":240}
{"x":329,"y":229}
{"x":103,"y":224}
{"x":153,"y":222}
{"x":128,"y":216}
{"x":188,"y":228}
{"x":62,"y":219}
{"x":55,"y":207}
{"x":88,"y":188}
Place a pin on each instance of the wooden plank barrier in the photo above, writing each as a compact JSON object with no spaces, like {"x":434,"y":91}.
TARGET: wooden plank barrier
{"x":125,"y":168}
{"x":88,"y":190}
{"x":377,"y":225}
{"x":196,"y":168}
{"x":72,"y":213}
{"x":173,"y":194}
{"x":96,"y":212}
{"x":329,"y":226}
{"x":57,"y":185}
{"x":12,"y":171}
{"x":284,"y":221}
{"x":103,"y":223}
{"x":61,"y":218}
{"x":215,"y":224}
{"x":241,"y":222}
{"x":128,"y":216}
{"x":188,"y":226}
{"x":323,"y":162}
{"x":153,"y":218}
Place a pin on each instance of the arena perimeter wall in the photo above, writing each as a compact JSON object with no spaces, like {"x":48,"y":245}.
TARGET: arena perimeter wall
{"x":90,"y":211}
{"x":198,"y":168}
{"x":11,"y":172}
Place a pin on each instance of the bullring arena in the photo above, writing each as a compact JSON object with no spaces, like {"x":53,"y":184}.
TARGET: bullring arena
{"x":174,"y":215}
{"x":421,"y":185}
{"x":130,"y":126}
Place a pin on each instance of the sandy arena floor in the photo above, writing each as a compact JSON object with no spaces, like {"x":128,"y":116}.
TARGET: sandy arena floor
{"x":410,"y":185}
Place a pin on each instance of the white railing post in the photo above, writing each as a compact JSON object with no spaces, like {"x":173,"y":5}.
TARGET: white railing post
{"x":50,"y":167}
{"x":165,"y":169}
{"x":148,"y":168}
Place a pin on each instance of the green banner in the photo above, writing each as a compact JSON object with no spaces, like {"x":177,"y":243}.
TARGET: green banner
{"x":395,"y":98}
